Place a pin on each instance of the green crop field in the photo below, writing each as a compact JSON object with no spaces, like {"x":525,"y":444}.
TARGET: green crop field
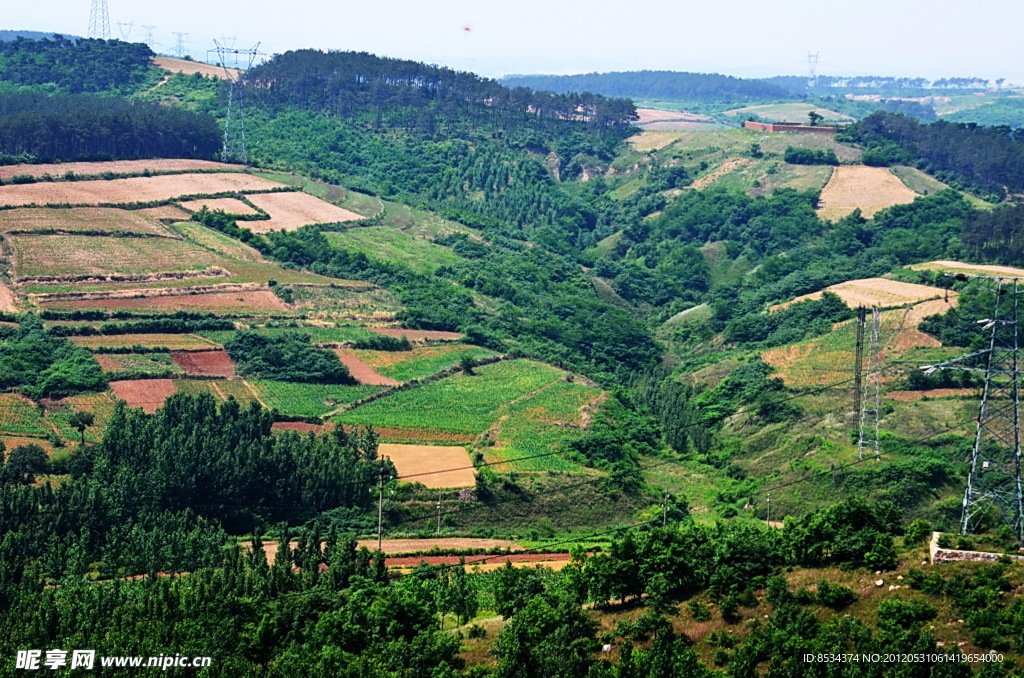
{"x":420,"y":362}
{"x":220,"y":389}
{"x":384,"y":243}
{"x":788,"y":112}
{"x":19,"y":416}
{"x":541,"y":424}
{"x":218,"y":242}
{"x":458,"y":404}
{"x":101,"y":405}
{"x":309,"y":400}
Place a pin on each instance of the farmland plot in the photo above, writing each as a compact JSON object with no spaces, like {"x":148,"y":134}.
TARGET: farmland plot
{"x":101,"y":405}
{"x":417,"y":335}
{"x":291,"y":211}
{"x":875,"y":292}
{"x":218,"y":242}
{"x":319,"y":335}
{"x":420,"y":362}
{"x":133,"y":190}
{"x":968,"y":269}
{"x":383,"y":243}
{"x":144,"y":363}
{"x":256,"y":302}
{"x":868,"y":188}
{"x":420,"y":463}
{"x":309,"y":400}
{"x":174,"y":342}
{"x":227,"y":205}
{"x":149,"y":394}
{"x":215,"y":363}
{"x":106,"y":219}
{"x":70,"y":255}
{"x":362,"y":372}
{"x":88,"y":169}
{"x":19,"y":416}
{"x":460,"y":404}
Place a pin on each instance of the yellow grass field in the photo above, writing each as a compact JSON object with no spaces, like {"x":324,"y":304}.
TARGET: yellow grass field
{"x":192,"y":67}
{"x":37,"y":255}
{"x":969,"y":269}
{"x":858,"y":186}
{"x":107,"y":219}
{"x":794,"y":112}
{"x":88,"y":169}
{"x":412,"y":460}
{"x":229,"y":205}
{"x":135,"y":189}
{"x":875,"y":292}
{"x":291,"y":211}
{"x":651,"y":140}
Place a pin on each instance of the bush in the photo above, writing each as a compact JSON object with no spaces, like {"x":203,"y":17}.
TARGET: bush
{"x":806,"y":156}
{"x":290,"y":356}
{"x":834,"y":595}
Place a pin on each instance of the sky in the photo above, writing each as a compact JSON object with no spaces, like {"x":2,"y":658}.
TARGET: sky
{"x":938,"y":38}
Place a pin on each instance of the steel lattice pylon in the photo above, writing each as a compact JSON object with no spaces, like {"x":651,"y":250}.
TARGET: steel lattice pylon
{"x":99,"y":20}
{"x":234,"y":122}
{"x":994,"y":480}
{"x":870,"y":396}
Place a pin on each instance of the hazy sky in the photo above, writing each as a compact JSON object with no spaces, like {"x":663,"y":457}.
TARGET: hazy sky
{"x":739,"y":37}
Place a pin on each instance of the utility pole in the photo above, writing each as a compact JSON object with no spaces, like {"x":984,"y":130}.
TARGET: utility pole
{"x":858,"y":363}
{"x":234,"y":121}
{"x":664,"y":511}
{"x":870,"y":398}
{"x":99,"y":20}
{"x":382,"y":475}
{"x":149,"y":35}
{"x":994,"y":480}
{"x":179,"y":49}
{"x":769,"y":520}
{"x":812,"y":70}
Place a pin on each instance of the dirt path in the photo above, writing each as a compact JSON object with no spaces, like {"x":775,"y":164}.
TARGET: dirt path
{"x":7,"y":299}
{"x":255,"y":395}
{"x":362,"y":372}
{"x":587,"y":410}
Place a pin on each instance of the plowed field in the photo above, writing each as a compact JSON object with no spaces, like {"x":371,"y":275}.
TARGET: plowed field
{"x":216,"y":363}
{"x":136,"y":189}
{"x":291,"y":211}
{"x":362,"y":372}
{"x":229,"y":205}
{"x":857,"y":186}
{"x":418,"y":463}
{"x":416,"y":335}
{"x":251,"y":302}
{"x":116,"y":166}
{"x":149,"y":394}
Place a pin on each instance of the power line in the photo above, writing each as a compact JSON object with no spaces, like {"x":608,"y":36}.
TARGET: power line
{"x":99,"y":20}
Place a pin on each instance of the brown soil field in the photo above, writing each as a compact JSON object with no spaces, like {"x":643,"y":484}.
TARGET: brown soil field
{"x":263,"y":300}
{"x":10,"y":442}
{"x":109,"y":362}
{"x":163,"y":212}
{"x":135,"y":189}
{"x":908,"y":396}
{"x":403,"y":546}
{"x":191,"y":67}
{"x":362,"y":372}
{"x":969,"y":269}
{"x":416,"y":335}
{"x":422,"y":434}
{"x":81,"y":219}
{"x":874,"y":292}
{"x":291,"y":211}
{"x":7,"y":299}
{"x":116,"y":166}
{"x":229,"y":205}
{"x":412,"y":460}
{"x":216,"y":363}
{"x":869,"y":188}
{"x":484,"y":562}
{"x":149,"y":394}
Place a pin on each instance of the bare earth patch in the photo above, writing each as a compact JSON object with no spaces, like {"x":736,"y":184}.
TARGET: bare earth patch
{"x":216,"y":363}
{"x":229,"y":205}
{"x":413,"y":460}
{"x":416,"y":335}
{"x":117,"y":167}
{"x":874,"y":292}
{"x":711,"y":177}
{"x":7,"y":299}
{"x":649,"y":140}
{"x":859,"y":186}
{"x":362,"y":372}
{"x":149,"y":394}
{"x":291,"y":211}
{"x":135,"y":189}
{"x":192,"y":67}
{"x":163,"y":212}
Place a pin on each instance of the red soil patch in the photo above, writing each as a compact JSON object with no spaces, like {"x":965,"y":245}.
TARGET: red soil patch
{"x":300,"y":426}
{"x":403,"y":546}
{"x":413,"y":561}
{"x":149,"y":394}
{"x":421,"y":434}
{"x":362,"y":372}
{"x":908,"y":396}
{"x":117,"y":166}
{"x":416,"y":335}
{"x":216,"y":363}
{"x":108,"y":363}
{"x":263,"y":300}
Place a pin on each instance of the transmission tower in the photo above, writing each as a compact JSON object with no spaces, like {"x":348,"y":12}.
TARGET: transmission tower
{"x":125,"y":29}
{"x":994,"y":480}
{"x":869,"y":397}
{"x":149,"y":35}
{"x":99,"y":20}
{"x":812,"y":69}
{"x":179,"y":49}
{"x":234,"y":123}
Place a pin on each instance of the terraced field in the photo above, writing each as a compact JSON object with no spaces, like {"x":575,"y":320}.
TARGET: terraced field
{"x":420,"y":362}
{"x":174,"y":342}
{"x":133,"y":190}
{"x":19,"y":416}
{"x":144,"y":363}
{"x":320,"y":335}
{"x":76,"y":255}
{"x":105,"y":219}
{"x":309,"y":400}
{"x":460,"y":404}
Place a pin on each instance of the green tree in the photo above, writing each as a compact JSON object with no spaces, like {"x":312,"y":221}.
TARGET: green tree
{"x":81,"y":421}
{"x":25,"y":462}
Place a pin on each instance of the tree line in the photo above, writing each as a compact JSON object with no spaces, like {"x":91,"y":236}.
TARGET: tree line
{"x":75,"y":65}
